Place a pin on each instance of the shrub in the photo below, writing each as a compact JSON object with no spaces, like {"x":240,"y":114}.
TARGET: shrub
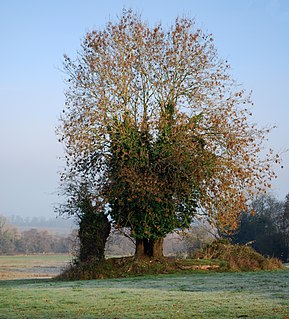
{"x":238,"y":257}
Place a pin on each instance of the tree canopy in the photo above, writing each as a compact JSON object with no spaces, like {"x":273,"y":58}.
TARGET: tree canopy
{"x":155,"y":121}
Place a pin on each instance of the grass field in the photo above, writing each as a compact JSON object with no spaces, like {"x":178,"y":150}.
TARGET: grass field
{"x":201,"y":295}
{"x":32,"y":266}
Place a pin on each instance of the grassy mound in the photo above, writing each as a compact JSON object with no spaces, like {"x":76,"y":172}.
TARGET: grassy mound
{"x":129,"y":266}
{"x":238,"y":257}
{"x":218,"y":256}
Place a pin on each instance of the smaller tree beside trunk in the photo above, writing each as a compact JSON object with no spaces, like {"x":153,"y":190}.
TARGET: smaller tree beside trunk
{"x":94,"y":229}
{"x":93,"y":222}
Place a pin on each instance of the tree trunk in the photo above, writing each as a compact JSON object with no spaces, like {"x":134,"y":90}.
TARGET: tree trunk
{"x":139,"y":248}
{"x":157,"y":248}
{"x":149,"y":248}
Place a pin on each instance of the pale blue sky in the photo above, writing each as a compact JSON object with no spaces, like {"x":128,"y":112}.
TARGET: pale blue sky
{"x":252,"y":34}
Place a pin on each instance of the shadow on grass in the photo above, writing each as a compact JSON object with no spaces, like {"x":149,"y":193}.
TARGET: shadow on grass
{"x":271,"y":283}
{"x":21,"y":282}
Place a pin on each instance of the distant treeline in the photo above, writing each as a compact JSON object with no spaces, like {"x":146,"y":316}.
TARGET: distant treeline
{"x":267,"y":231}
{"x":32,"y":241}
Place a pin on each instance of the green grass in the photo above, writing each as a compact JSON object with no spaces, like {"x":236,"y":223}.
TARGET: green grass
{"x":200,"y":295}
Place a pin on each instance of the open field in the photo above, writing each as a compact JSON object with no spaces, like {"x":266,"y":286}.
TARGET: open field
{"x":32,"y":266}
{"x":200,"y":295}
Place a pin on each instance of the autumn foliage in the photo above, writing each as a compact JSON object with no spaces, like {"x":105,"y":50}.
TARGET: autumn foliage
{"x":155,"y":121}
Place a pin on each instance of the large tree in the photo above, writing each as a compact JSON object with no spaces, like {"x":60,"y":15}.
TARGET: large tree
{"x":164,"y":131}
